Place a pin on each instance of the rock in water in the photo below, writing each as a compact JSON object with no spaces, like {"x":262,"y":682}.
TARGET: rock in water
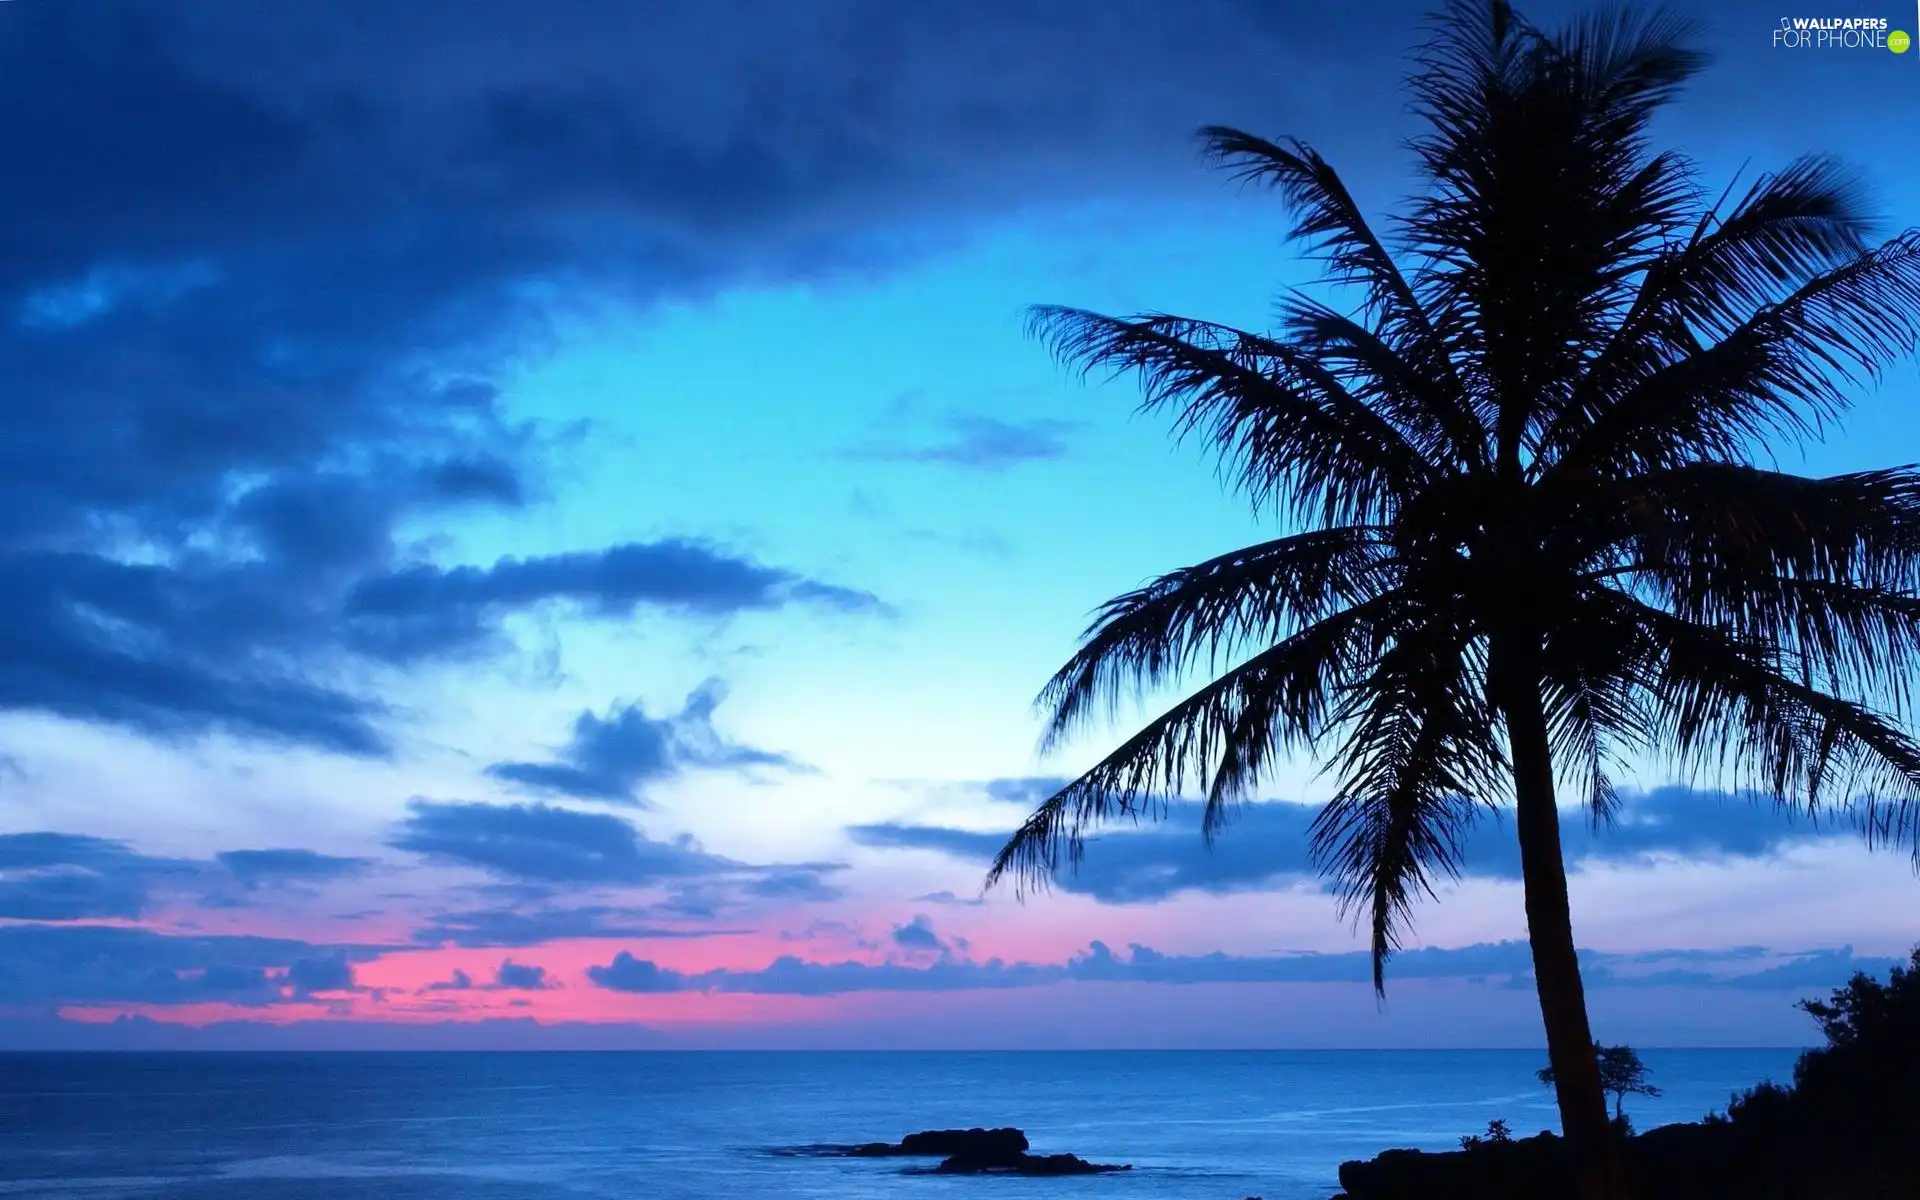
{"x":970,"y":1152}
{"x":946,"y":1143}
{"x":1026,"y":1164}
{"x":981,"y":1143}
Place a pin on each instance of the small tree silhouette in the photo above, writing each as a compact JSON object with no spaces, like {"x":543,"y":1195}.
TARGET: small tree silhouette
{"x":1622,"y":1074}
{"x":1498,"y":1134}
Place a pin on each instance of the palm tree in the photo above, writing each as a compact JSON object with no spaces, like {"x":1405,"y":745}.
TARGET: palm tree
{"x":1534,"y":528}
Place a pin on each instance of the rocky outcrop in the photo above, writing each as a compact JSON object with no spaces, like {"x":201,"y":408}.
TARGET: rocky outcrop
{"x":1025,"y":1164}
{"x":966,"y":1152}
{"x":1530,"y":1168}
{"x":947,"y":1143}
{"x":1708,"y":1161}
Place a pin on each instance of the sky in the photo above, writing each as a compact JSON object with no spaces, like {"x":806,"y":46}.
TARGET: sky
{"x":539,"y":526}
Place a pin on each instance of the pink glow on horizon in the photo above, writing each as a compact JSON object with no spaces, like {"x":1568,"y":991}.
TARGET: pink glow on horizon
{"x":398,"y":986}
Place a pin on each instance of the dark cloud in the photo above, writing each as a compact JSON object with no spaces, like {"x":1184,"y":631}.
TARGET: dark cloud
{"x":541,"y":844}
{"x":960,"y":843}
{"x":629,"y":974}
{"x":944,"y":897}
{"x":515,"y":927}
{"x":49,"y":876}
{"x":1503,"y":963}
{"x":255,"y":868}
{"x":460,"y":981}
{"x":510,"y":976}
{"x":614,"y":758}
{"x":522,"y":977}
{"x":800,"y":883}
{"x":424,"y":609}
{"x":258,"y":271}
{"x":1809,"y":971}
{"x":981,"y":443}
{"x":917,"y":935}
{"x":203,"y":645}
{"x":546,"y":844}
{"x":70,"y":896}
{"x":328,"y":973}
{"x":35,"y":851}
{"x":1264,"y":845}
{"x":98,"y":964}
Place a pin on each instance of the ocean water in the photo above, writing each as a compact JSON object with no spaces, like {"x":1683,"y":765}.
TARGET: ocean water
{"x":678,"y":1126}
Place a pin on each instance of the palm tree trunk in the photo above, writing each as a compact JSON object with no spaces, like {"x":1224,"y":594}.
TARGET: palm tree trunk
{"x":1556,"y":966}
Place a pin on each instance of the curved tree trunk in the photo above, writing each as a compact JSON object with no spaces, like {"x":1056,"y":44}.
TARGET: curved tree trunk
{"x":1556,"y":967}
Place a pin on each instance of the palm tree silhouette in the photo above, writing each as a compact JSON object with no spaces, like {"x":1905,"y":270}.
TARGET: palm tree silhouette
{"x":1535,"y":534}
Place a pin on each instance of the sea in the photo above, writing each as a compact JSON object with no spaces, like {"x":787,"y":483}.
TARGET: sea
{"x":695,"y":1126}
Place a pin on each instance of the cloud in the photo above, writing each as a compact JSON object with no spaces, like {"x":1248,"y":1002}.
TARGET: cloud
{"x":522,"y":977}
{"x":424,"y":609}
{"x":543,"y":845}
{"x":1810,"y":970}
{"x":611,"y":758}
{"x":460,"y":981}
{"x":182,"y":647}
{"x":918,"y":936}
{"x":255,"y":868}
{"x":1029,"y":791}
{"x":328,"y":973}
{"x":981,"y":443}
{"x":1510,"y":962}
{"x":960,"y":843}
{"x":1265,"y":844}
{"x":97,"y":964}
{"x":52,"y":876}
{"x":510,"y":976}
{"x":70,"y":896}
{"x":248,"y":382}
{"x":800,"y":883}
{"x":546,"y":844}
{"x":49,"y":876}
{"x":34,"y":851}
{"x":514,"y":928}
{"x":629,"y":974}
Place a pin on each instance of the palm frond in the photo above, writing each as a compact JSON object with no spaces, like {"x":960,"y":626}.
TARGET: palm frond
{"x":1791,"y":227}
{"x":1744,"y":709}
{"x":1783,"y":373}
{"x":1216,"y":739}
{"x":1404,"y":385}
{"x":1331,"y":222}
{"x":1200,"y":615}
{"x":1828,"y":568}
{"x":1631,"y":62}
{"x":1287,"y":429}
{"x":1542,"y":195}
{"x":1420,"y":753}
{"x":1788,"y":229}
{"x":1588,"y":710}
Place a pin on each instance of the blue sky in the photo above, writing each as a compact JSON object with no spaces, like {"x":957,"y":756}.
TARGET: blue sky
{"x":565,"y":503}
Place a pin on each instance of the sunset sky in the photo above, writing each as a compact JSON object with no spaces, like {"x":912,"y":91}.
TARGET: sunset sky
{"x":538,"y":525}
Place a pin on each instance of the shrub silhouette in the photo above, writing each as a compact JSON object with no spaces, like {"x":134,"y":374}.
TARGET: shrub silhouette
{"x":1862,"y":1089}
